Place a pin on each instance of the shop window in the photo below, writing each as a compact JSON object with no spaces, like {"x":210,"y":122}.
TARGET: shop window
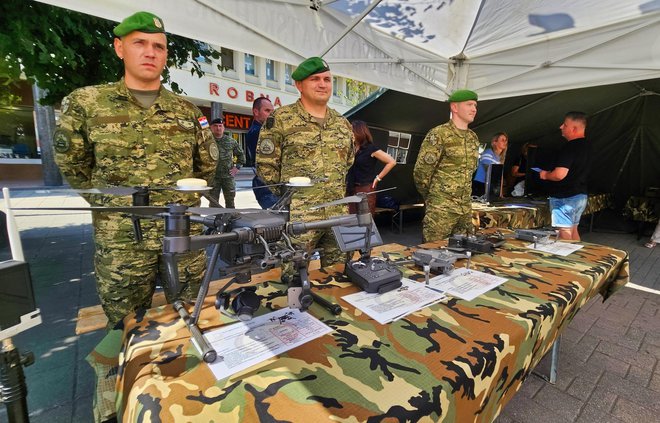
{"x":227,"y":58}
{"x":271,"y":74}
{"x":17,"y":133}
{"x":398,"y":145}
{"x":288,"y":70}
{"x":250,"y":64}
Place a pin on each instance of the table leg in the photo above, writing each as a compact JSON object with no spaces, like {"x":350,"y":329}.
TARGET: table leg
{"x":554,"y":362}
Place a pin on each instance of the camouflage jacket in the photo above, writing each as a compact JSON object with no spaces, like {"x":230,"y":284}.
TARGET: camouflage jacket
{"x":297,"y":145}
{"x":227,"y":149}
{"x":446,"y":161}
{"x":106,"y":138}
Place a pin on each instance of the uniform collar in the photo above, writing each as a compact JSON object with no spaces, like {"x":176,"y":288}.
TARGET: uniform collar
{"x":123,"y":93}
{"x":330,"y":114}
{"x":457,"y":130}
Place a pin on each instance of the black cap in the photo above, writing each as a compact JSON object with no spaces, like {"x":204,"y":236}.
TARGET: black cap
{"x":218,"y":120}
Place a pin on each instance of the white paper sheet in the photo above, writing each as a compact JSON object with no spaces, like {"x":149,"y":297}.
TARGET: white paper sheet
{"x":466,"y":284}
{"x":244,"y":344}
{"x":558,"y":248}
{"x":393,"y":305}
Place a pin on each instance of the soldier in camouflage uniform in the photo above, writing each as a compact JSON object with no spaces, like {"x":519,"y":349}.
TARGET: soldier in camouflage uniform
{"x":309,"y":139}
{"x":443,"y":172}
{"x":225,"y":171}
{"x":134,"y":133}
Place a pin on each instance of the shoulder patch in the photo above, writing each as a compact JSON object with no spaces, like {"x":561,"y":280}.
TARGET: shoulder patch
{"x":203,"y":122}
{"x":65,"y":104}
{"x":61,"y":141}
{"x":429,"y":158}
{"x":213,"y":150}
{"x":266,"y":146}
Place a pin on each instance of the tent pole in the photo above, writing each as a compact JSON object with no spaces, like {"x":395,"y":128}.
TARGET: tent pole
{"x":350,"y":27}
{"x":398,"y":61}
{"x":625,"y":161}
{"x":636,"y":96}
{"x":524,"y":106}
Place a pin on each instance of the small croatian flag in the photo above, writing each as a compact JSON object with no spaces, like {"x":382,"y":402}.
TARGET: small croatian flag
{"x":203,"y":122}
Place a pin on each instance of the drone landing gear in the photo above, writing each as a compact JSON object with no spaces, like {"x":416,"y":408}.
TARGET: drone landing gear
{"x":12,"y":381}
{"x":299,"y":291}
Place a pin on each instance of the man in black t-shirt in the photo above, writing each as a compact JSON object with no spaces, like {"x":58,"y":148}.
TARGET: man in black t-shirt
{"x":568,"y":180}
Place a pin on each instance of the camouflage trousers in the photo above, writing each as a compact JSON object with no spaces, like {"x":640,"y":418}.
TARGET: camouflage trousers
{"x":325,"y":240}
{"x":228,"y":187}
{"x":126,"y":278}
{"x":444,"y":218}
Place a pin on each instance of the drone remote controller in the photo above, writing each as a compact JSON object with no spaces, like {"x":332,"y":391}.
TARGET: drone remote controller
{"x":374,"y":274}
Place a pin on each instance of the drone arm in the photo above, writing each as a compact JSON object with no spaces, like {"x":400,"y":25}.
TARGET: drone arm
{"x":171,"y":274}
{"x":211,"y":221}
{"x":212,"y":201}
{"x":241,"y":235}
{"x":137,"y":228}
{"x":297,"y":228}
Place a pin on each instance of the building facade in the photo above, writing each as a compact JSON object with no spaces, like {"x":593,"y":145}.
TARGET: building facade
{"x":229,"y":91}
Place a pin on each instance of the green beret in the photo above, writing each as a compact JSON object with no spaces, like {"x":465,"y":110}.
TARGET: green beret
{"x":140,"y":21}
{"x":309,"y":67}
{"x":462,"y":95}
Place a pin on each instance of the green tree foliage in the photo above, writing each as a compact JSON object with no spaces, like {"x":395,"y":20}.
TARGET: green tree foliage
{"x":63,"y":50}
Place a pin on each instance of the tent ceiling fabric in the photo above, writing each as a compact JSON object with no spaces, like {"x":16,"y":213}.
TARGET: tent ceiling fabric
{"x":500,"y":48}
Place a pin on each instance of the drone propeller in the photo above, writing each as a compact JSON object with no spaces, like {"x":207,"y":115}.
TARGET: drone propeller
{"x":345,"y":200}
{"x":350,"y":199}
{"x":311,"y":183}
{"x":108,"y":190}
{"x":145,"y":210}
{"x":210,"y":211}
{"x":122,"y":191}
{"x":260,"y":186}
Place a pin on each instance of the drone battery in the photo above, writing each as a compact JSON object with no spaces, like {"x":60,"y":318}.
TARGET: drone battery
{"x":373,"y":275}
{"x":532,"y":235}
{"x":16,"y":295}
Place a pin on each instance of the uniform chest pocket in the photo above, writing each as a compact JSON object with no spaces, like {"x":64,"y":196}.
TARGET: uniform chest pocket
{"x":178,"y":133}
{"x":111,"y":135}
{"x":340,"y":138}
{"x":454,"y":150}
{"x":111,"y":140}
{"x":301,"y":144}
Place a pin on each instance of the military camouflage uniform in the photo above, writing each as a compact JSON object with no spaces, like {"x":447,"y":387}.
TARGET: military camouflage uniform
{"x":223,"y":181}
{"x":297,"y":145}
{"x":106,"y":138}
{"x":443,"y":174}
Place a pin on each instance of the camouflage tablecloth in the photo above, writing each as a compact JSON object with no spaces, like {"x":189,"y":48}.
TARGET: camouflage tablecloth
{"x":642,"y":209}
{"x":598,"y":202}
{"x":457,"y":361}
{"x":521,"y":214}
{"x":527,"y":214}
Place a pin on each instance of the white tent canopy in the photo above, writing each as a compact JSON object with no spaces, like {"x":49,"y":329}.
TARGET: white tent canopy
{"x":500,"y":48}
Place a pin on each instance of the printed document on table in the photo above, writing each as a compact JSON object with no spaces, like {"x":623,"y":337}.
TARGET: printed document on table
{"x":244,"y":344}
{"x":558,"y":248}
{"x":393,"y":305}
{"x":466,"y":284}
